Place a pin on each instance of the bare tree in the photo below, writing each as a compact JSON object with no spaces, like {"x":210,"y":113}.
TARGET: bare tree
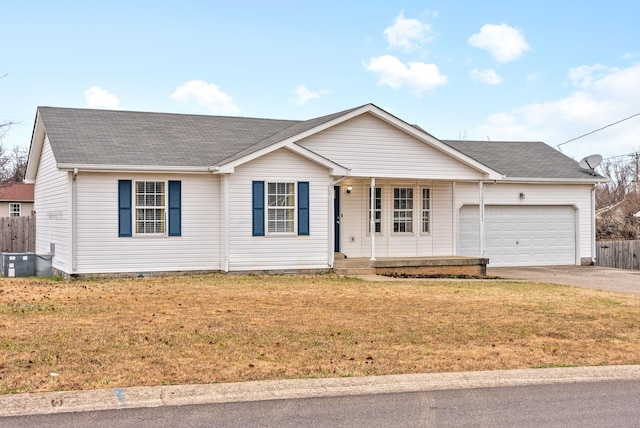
{"x":618,"y":201}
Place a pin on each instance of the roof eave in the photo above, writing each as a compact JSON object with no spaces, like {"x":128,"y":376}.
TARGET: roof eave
{"x":594,"y":180}
{"x":134,"y":168}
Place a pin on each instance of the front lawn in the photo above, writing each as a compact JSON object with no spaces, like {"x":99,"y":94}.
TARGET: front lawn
{"x":57,"y":335}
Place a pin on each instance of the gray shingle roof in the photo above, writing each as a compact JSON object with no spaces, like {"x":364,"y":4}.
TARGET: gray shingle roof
{"x":108,"y":137}
{"x":522,"y":159}
{"x":105,"y":137}
{"x":126,"y":138}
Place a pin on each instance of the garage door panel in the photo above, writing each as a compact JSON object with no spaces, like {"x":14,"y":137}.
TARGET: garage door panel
{"x":520,"y":235}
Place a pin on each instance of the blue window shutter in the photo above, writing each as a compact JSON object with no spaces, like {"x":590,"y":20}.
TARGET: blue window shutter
{"x":303,"y":208}
{"x":175,"y":207}
{"x":124,"y":208}
{"x":258,"y":208}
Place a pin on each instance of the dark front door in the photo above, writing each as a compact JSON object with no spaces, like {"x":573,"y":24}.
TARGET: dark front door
{"x":336,"y":217}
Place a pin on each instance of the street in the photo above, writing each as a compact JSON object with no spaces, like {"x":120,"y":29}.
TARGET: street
{"x":585,"y":404}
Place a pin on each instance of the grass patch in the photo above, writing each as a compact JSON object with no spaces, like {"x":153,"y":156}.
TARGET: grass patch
{"x":225,"y":328}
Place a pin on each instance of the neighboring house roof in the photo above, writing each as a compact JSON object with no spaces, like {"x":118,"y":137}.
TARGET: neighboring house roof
{"x":16,"y":192}
{"x":87,"y":137}
{"x":523,"y":159}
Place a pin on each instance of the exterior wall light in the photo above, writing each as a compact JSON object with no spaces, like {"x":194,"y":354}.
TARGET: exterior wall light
{"x":521,"y":195}
{"x":349,"y":189}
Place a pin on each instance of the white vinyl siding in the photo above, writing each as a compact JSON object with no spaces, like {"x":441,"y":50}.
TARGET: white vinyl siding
{"x":52,"y":194}
{"x":355,"y":237}
{"x":285,"y":251}
{"x":100,"y":250}
{"x":371,"y":147}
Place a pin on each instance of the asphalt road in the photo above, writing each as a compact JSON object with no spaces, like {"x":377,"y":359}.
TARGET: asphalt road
{"x":582,"y":404}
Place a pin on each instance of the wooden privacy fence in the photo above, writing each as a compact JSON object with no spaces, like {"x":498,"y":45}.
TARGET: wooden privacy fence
{"x":18,"y":234}
{"x":618,"y":254}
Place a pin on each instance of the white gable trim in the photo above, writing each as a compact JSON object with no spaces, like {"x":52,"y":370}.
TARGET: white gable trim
{"x":334,"y":168}
{"x":35,"y":150}
{"x":383,"y":115}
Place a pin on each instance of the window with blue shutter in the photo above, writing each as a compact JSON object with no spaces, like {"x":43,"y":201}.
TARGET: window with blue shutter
{"x":303,"y":208}
{"x":258,"y":208}
{"x":124,"y":208}
{"x":175,"y":207}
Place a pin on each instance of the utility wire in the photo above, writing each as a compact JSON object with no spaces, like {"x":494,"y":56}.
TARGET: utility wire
{"x":599,"y":129}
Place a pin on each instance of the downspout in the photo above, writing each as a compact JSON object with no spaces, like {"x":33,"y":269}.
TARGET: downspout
{"x":454,"y":223}
{"x":481,"y":219}
{"x":74,"y":219}
{"x":227,"y":237}
{"x":593,"y":227}
{"x":332,"y":220}
{"x":481,"y":206}
{"x":372,"y":223}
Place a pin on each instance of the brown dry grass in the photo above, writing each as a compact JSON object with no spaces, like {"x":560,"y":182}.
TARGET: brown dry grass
{"x":223,"y":328}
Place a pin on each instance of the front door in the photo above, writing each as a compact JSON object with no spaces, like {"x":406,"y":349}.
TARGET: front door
{"x":336,"y":217}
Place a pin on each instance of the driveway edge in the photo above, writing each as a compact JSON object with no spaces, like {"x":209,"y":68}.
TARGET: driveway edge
{"x":175,"y":395}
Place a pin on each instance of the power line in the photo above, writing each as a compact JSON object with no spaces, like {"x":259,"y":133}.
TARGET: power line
{"x":599,"y":129}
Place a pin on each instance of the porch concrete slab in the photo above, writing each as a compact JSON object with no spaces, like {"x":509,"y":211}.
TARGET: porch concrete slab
{"x":596,"y":277}
{"x":429,"y":261}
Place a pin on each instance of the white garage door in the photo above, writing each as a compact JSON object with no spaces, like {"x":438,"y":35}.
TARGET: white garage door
{"x":520,"y":235}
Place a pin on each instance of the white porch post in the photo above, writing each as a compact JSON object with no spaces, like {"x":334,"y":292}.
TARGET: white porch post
{"x":372,"y":223}
{"x":481,"y":220}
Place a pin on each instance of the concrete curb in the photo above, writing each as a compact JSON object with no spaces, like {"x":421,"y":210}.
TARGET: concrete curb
{"x":176,"y":395}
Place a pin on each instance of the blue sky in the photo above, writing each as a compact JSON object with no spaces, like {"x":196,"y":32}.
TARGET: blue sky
{"x":499,"y":70}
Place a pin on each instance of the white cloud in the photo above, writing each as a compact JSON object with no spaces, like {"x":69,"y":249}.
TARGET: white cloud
{"x":408,"y":34}
{"x":395,"y":74}
{"x":505,"y":43}
{"x":96,"y":97}
{"x":603,"y":95}
{"x":206,"y":95}
{"x":488,"y":76}
{"x":304,"y":95}
{"x":629,"y":55}
{"x":585,"y":75}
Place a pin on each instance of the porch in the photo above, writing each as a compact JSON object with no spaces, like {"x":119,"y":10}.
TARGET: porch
{"x":411,"y":266}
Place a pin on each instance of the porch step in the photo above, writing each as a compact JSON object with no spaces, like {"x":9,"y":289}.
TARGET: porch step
{"x":351,"y":267}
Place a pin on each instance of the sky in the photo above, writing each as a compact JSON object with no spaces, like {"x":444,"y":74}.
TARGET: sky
{"x":543,"y":70}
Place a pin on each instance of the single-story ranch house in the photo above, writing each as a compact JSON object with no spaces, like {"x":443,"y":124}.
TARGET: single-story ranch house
{"x":134,"y":192}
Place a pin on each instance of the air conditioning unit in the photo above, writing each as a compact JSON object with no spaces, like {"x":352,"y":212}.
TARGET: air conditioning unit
{"x":18,"y":264}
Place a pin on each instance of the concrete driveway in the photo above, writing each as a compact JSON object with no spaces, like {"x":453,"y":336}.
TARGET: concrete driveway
{"x":600,"y":278}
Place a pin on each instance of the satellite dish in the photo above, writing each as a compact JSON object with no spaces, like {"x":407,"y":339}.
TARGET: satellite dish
{"x":590,"y":163}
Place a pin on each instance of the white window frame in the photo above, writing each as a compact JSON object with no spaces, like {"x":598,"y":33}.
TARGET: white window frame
{"x":279,"y":202}
{"x":377,"y":211}
{"x":425,"y":211}
{"x":162,"y":209}
{"x":402,"y":212}
{"x":15,"y":209}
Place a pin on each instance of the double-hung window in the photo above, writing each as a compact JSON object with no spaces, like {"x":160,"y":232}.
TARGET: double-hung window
{"x":426,"y":210}
{"x":281,"y":207}
{"x":403,"y":209}
{"x":15,"y":209}
{"x":377,"y":209}
{"x":150,"y":207}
